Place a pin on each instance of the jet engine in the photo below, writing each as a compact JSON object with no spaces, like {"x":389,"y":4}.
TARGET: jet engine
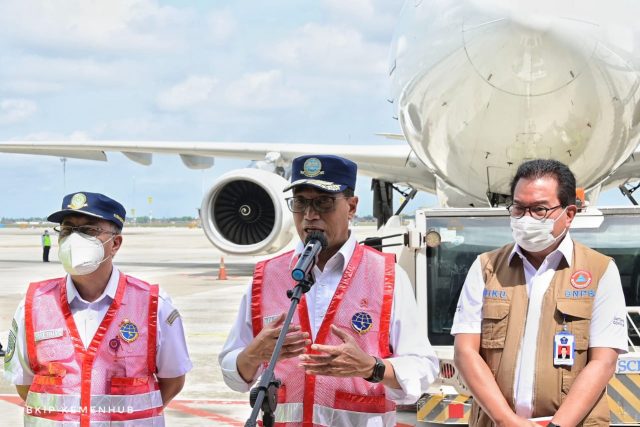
{"x":245,"y":213}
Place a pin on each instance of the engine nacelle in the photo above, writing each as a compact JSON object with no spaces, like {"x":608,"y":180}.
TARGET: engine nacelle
{"x":245,"y":213}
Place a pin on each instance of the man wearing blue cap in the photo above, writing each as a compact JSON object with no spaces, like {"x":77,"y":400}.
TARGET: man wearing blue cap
{"x":352,"y":351}
{"x":96,"y":346}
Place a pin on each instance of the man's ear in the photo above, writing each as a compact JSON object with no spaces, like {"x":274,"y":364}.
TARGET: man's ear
{"x":117,"y":242}
{"x":353,"y":206}
{"x":572,"y":210}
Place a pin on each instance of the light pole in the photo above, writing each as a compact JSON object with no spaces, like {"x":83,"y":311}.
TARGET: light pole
{"x":63,"y":160}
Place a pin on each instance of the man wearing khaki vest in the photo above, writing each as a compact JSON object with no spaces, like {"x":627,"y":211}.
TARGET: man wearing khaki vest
{"x":525,"y":304}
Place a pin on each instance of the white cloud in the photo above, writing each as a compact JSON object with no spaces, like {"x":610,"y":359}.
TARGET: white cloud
{"x":221,"y":25}
{"x":16,"y":110}
{"x":50,"y":72}
{"x":360,"y":9}
{"x":263,"y":90}
{"x":186,"y":94}
{"x":330,"y":49}
{"x":105,"y":25}
{"x":29,"y":86}
{"x":373,"y":18}
{"x":56,"y":136}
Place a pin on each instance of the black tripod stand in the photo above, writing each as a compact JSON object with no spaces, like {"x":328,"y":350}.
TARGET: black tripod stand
{"x":265,"y":395}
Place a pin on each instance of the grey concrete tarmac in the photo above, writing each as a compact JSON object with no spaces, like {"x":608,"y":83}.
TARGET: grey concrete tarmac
{"x":186,"y":266}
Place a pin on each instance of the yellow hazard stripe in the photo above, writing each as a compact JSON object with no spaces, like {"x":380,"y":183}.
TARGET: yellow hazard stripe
{"x":433,"y":401}
{"x":624,"y":403}
{"x":620,"y":413}
{"x":437,"y":403}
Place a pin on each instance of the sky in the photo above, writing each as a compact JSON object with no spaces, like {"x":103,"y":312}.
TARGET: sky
{"x":283,"y":71}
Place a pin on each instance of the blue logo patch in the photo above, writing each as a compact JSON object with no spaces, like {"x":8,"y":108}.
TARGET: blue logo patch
{"x":128,"y":330}
{"x":361,"y":322}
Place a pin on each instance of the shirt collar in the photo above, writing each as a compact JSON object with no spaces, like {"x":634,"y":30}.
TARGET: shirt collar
{"x":564,"y":249}
{"x":344,"y":254}
{"x":110,"y":290}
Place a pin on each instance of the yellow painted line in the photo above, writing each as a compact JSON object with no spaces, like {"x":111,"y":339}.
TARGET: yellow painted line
{"x":635,"y":378}
{"x":625,"y":393}
{"x":442,"y":416}
{"x":462,"y":398}
{"x":620,"y":413}
{"x":428,"y":407}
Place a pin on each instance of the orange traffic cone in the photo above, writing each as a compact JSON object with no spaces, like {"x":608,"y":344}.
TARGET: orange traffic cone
{"x":222,"y":272}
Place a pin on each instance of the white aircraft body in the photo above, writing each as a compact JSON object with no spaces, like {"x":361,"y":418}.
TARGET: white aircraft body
{"x":479,"y":87}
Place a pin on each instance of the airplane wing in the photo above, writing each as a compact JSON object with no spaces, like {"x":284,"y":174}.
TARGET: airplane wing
{"x":394,"y":163}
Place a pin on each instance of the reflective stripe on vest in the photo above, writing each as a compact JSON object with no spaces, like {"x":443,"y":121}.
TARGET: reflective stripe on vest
{"x":158,"y":421}
{"x":327,"y":416}
{"x":289,"y":413}
{"x":324,"y":415}
{"x":100,"y":403}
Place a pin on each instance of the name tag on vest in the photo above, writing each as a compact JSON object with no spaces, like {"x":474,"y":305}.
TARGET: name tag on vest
{"x":48,"y":334}
{"x":269,"y":319}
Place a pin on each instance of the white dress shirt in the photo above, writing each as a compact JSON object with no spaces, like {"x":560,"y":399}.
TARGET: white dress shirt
{"x":172,"y":356}
{"x":414,"y":361}
{"x":606,"y":330}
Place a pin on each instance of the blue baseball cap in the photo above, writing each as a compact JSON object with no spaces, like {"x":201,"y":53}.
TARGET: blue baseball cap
{"x":332,"y":174}
{"x":92,"y":204}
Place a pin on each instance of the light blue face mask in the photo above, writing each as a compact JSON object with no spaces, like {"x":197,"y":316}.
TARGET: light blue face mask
{"x":534,"y":235}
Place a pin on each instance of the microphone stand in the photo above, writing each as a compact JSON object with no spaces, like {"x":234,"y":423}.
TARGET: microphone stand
{"x":265,"y":395}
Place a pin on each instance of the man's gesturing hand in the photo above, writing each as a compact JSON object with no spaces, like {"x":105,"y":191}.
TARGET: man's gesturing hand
{"x":261,"y":348}
{"x":343,"y":360}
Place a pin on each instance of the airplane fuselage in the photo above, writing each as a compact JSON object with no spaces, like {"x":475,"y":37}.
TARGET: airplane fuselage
{"x":488,"y":85}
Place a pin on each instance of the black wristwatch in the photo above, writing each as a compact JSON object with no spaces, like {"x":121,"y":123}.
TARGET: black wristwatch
{"x":378,"y":371}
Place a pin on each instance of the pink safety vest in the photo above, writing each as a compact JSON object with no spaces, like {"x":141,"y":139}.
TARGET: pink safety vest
{"x":308,"y":400}
{"x":110,"y":383}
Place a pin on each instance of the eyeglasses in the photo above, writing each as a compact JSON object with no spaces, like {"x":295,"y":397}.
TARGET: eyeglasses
{"x":537,"y":212}
{"x":89,"y":230}
{"x":321,"y":204}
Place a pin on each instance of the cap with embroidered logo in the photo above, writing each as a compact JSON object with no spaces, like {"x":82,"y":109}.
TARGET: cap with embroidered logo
{"x":92,"y":204}
{"x":329,"y":173}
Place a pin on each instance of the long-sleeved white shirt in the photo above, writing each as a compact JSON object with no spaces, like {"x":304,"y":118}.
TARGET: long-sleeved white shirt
{"x":414,"y":361}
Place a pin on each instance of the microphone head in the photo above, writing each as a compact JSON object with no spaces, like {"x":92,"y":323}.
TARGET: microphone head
{"x":317,"y":235}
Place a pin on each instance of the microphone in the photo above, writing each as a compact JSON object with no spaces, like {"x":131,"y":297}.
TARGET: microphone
{"x":315,"y":242}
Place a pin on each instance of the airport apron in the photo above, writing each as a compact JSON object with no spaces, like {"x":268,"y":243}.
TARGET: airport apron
{"x":360,"y":306}
{"x":110,"y":383}
{"x":504,"y":313}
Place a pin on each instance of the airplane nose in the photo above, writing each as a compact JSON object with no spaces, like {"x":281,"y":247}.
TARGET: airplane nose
{"x":529,"y":57}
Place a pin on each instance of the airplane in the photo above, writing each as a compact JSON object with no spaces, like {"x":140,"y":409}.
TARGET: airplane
{"x":478,"y":87}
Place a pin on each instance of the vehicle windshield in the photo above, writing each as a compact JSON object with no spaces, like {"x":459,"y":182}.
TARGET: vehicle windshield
{"x":463,"y":238}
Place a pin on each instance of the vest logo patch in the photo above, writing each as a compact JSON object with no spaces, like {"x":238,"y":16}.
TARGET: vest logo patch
{"x":361,"y":322}
{"x":128,"y":331}
{"x":493,"y":293}
{"x":48,"y":334}
{"x":580,"y":279}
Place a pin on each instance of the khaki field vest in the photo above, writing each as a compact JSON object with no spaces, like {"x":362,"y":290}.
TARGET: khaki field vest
{"x":504,"y":314}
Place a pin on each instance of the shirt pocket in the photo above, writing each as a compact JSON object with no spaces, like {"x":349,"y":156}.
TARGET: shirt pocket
{"x":577,"y":315}
{"x":495,"y":317}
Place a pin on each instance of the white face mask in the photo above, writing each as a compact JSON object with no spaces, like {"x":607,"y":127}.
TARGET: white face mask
{"x":81,"y":254}
{"x":534,"y":235}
